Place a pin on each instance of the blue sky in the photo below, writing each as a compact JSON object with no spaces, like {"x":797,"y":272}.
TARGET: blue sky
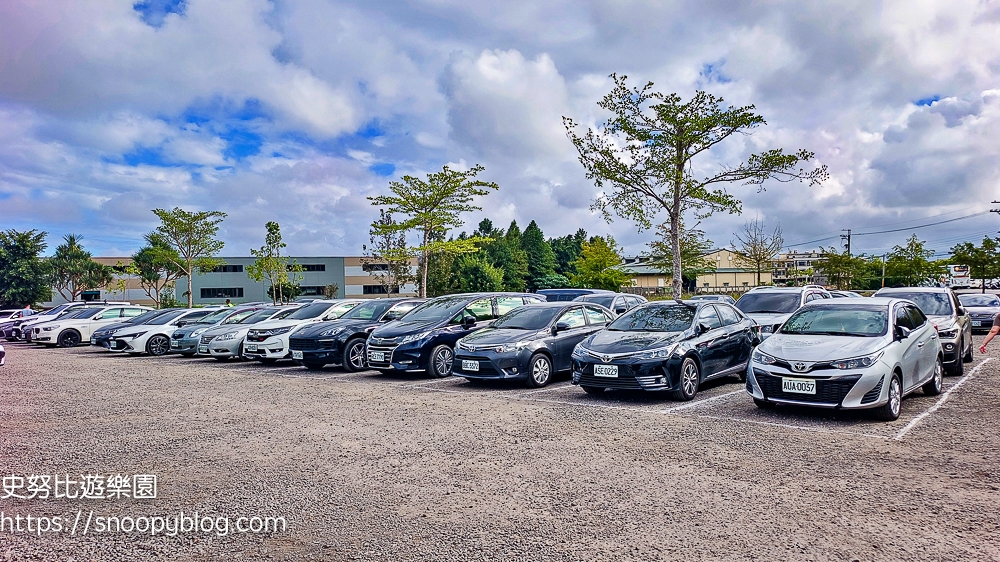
{"x":299,"y":111}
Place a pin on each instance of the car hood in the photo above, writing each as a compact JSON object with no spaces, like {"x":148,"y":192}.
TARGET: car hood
{"x":148,"y":328}
{"x":941,"y":321}
{"x":402,"y":328}
{"x":987,"y":309}
{"x":768,"y":318}
{"x":115,"y":326}
{"x":313,"y":330}
{"x":225,"y":329}
{"x":272,"y":324}
{"x":792,"y":347}
{"x":613,"y":341}
{"x":494,"y":336}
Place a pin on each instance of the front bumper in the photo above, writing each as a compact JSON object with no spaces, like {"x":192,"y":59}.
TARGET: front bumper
{"x":274,"y":347}
{"x":834,"y":388}
{"x":103,"y":341}
{"x":325,"y":350}
{"x":493,"y":366}
{"x":653,"y":376}
{"x":405,"y":357}
{"x":950,"y":352}
{"x":184,"y":345}
{"x":221,"y":348}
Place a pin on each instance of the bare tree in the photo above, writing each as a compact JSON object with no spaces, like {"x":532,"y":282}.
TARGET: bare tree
{"x":387,"y":258}
{"x":756,"y":249}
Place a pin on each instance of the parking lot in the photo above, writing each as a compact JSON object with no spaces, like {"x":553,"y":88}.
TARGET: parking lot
{"x":371,"y":467}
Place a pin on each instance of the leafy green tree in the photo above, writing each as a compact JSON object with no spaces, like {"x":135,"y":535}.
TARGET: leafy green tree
{"x":271,"y":265}
{"x":24,"y":276}
{"x":599,"y":265}
{"x":474,"y":274}
{"x":74,"y":270}
{"x":567,"y":250}
{"x":983,"y":260}
{"x":155,"y":267}
{"x":433,"y":207}
{"x":755,"y":249}
{"x":193,"y":236}
{"x":694,"y":248}
{"x":541,"y":258}
{"x":552,"y":281}
{"x":286,"y":291}
{"x":643,"y":159}
{"x":331,"y":291}
{"x":505,"y":254}
{"x":910,"y":264}
{"x":841,"y":268}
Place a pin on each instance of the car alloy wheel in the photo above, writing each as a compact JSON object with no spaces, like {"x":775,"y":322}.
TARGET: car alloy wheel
{"x":441,"y":360}
{"x":540,"y":371}
{"x":354,"y":355}
{"x":158,"y":345}
{"x":689,"y":380}
{"x":69,"y":338}
{"x":933,"y":386}
{"x":890,"y":411}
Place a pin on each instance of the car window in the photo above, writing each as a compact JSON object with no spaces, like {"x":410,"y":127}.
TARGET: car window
{"x":979,"y":300}
{"x":620,"y":303}
{"x":768,"y":302}
{"x":132,"y":312}
{"x":110,"y":313}
{"x":728,"y":315}
{"x":573,"y":317}
{"x":481,"y":309}
{"x":811,"y":297}
{"x":506,"y":304}
{"x":917,"y":318}
{"x":709,"y":316}
{"x":903,"y":318}
{"x":401,"y":309}
{"x":632,"y":302}
{"x":933,"y":304}
{"x":596,"y":316}
{"x":836,"y":320}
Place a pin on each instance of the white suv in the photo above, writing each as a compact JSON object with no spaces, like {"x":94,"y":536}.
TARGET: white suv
{"x":771,"y":306}
{"x":75,"y":326}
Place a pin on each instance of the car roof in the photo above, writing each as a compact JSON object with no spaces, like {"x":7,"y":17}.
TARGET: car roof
{"x":884,"y":301}
{"x":889,"y":290}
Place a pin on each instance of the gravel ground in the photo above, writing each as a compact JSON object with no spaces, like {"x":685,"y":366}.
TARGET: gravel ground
{"x":375,"y":467}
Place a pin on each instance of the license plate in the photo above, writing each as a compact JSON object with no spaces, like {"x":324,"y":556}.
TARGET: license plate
{"x":606,"y":371}
{"x":175,"y":344}
{"x":202,"y":349}
{"x":470,"y":365}
{"x":251,"y":347}
{"x":296,"y":355}
{"x":93,"y":341}
{"x":798,"y":386}
{"x":377,"y":356}
{"x":976,"y":323}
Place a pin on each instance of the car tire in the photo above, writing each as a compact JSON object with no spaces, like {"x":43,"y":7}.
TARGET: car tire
{"x":354,"y":355}
{"x":593,"y":389}
{"x":890,"y":410}
{"x":688,"y":381}
{"x":539,"y":371}
{"x":957,"y":368}
{"x":158,"y":345}
{"x":69,"y":338}
{"x":933,"y":386}
{"x":441,"y":360}
{"x":313,"y":366}
{"x":967,"y":357}
{"x":764,"y":404}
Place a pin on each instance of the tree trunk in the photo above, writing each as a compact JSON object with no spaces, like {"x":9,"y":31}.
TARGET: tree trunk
{"x":424,"y":264}
{"x":190,"y":271}
{"x":677,"y":283}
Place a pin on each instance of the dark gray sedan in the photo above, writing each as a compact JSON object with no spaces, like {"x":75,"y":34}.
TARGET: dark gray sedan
{"x":529,"y":343}
{"x":982,"y":308}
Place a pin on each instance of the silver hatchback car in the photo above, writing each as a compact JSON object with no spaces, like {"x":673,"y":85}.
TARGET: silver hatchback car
{"x":850,"y":353}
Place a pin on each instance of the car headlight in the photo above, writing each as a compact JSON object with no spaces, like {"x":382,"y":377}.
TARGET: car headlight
{"x":948,"y":332}
{"x":135,"y":335}
{"x":110,"y":332}
{"x":50,"y":328}
{"x":226,"y":336}
{"x":763,"y":358}
{"x":331,"y":332}
{"x":512,"y":347}
{"x":658,"y":353}
{"x":858,"y":362}
{"x":198,"y":332}
{"x":415,"y":337}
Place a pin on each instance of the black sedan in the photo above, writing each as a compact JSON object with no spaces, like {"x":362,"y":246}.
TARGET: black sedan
{"x":342,"y":341}
{"x":667,"y":347}
{"x":530,"y":343}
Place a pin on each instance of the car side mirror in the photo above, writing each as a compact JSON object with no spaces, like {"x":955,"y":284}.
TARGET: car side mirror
{"x":468,"y":322}
{"x":560,"y":327}
{"x":902,"y":332}
{"x":703,"y":327}
{"x":181,"y":323}
{"x":962,"y":311}
{"x":621,"y":309}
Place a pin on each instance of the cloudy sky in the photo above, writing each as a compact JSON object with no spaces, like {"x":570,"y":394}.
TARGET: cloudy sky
{"x":296,"y":111}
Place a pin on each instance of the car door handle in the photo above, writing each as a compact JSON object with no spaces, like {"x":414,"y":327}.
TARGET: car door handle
{"x":921,"y":344}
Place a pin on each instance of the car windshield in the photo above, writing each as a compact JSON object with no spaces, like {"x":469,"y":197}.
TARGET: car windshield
{"x":239,"y":317}
{"x":602,"y":300}
{"x":979,"y":300}
{"x":81,"y":313}
{"x":663,"y":318}
{"x":165,"y":318}
{"x":528,"y":318}
{"x":932,"y":304}
{"x":764,"y":302}
{"x":144,"y":317}
{"x":866,"y":321}
{"x":213,"y":317}
{"x":309,"y":311}
{"x":369,"y":310}
{"x":437,"y":309}
{"x":56,"y":310}
{"x":260,"y":316}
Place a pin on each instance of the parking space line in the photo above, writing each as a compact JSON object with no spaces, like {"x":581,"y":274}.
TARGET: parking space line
{"x":944,"y":398}
{"x":694,"y":403}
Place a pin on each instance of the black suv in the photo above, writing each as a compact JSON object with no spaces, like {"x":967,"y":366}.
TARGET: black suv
{"x":342,"y":341}
{"x":424,"y":340}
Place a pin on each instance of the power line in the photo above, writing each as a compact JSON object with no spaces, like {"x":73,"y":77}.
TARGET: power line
{"x":923,"y":225}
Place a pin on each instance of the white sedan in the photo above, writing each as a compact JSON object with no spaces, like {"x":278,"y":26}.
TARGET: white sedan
{"x":268,"y":341}
{"x":850,"y":354}
{"x":153,"y":337}
{"x":3,"y":356}
{"x":76,"y":326}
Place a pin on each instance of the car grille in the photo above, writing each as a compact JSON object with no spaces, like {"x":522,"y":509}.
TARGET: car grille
{"x":828,"y":390}
{"x":205,"y":340}
{"x":486,"y":368}
{"x":387,"y":349}
{"x":309,"y":344}
{"x":179,"y":335}
{"x":621,"y":383}
{"x":385,"y":341}
{"x":873,"y":394}
{"x":256,"y":336}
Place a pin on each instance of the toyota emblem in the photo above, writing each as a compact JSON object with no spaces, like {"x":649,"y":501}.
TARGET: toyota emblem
{"x":606,"y":358}
{"x":799,"y":367}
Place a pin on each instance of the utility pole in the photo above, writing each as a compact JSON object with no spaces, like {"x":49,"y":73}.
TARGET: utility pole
{"x":883,"y":270}
{"x":847,"y":237}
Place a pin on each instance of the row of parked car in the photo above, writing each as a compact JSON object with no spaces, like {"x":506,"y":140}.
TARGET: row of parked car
{"x":793,"y":346}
